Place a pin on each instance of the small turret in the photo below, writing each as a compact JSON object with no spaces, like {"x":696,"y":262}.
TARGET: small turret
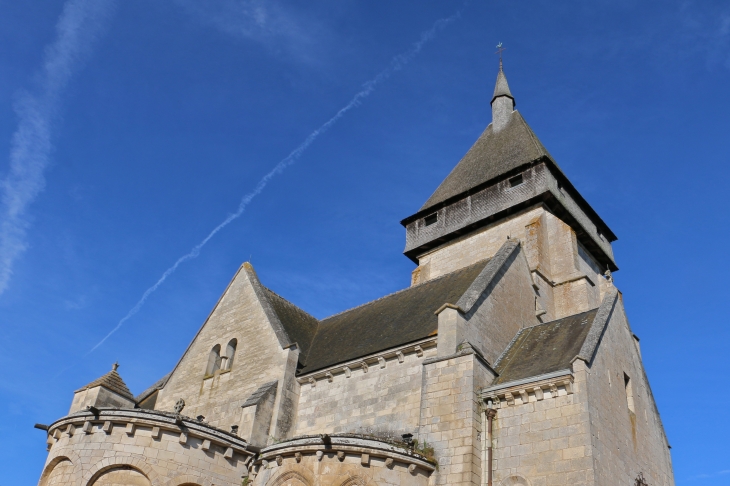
{"x":106,"y":391}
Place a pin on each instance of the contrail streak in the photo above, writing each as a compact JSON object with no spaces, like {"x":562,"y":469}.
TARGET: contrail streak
{"x":79,"y":25}
{"x":396,"y":64}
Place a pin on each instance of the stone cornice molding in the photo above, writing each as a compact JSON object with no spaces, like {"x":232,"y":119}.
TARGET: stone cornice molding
{"x":535,"y":389}
{"x":340,"y":446}
{"x":374,"y":361}
{"x":129,"y":419}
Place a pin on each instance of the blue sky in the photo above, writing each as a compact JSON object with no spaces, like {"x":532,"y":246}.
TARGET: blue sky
{"x":130,"y":130}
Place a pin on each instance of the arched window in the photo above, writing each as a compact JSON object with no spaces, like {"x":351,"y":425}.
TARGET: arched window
{"x":231,"y":352}
{"x":214,"y":360}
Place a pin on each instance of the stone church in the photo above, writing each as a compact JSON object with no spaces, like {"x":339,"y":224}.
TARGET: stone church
{"x":508,"y":361}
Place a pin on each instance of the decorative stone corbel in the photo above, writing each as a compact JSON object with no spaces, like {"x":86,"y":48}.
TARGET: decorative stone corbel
{"x":312,"y":382}
{"x":298,"y":456}
{"x":107,"y":427}
{"x":365,"y":459}
{"x":155,"y":433}
{"x":539,"y":394}
{"x":412,"y":469}
{"x":389,"y":463}
{"x":229,"y":453}
{"x":525,"y":397}
{"x":341,"y":455}
{"x":206,"y":445}
{"x":510,"y":399}
{"x":70,"y":430}
{"x":381,"y":361}
{"x":183,"y":437}
{"x":419,"y":351}
{"x":401,"y":358}
{"x":329,"y":377}
{"x":279,"y":460}
{"x":130,"y":429}
{"x":320,"y":454}
{"x":348,"y":371}
{"x":568,"y":386}
{"x":364,"y":367}
{"x":553,"y":390}
{"x":87,"y":427}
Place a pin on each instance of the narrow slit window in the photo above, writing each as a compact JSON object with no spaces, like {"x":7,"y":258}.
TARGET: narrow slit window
{"x":431,"y":219}
{"x":629,"y":393}
{"x":516,"y":181}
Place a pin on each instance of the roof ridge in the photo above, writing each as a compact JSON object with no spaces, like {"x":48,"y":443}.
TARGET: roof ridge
{"x":435,"y":279}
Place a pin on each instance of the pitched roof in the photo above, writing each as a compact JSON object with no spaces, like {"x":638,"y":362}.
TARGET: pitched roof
{"x":493,"y":154}
{"x":158,"y":385}
{"x":544,"y":348}
{"x":396,"y":319}
{"x":111,"y":381}
{"x":299,"y":326}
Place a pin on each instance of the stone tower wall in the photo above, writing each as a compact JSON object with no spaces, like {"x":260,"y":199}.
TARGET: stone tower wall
{"x":625,"y":442}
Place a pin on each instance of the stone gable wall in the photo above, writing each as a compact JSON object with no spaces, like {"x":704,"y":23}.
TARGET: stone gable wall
{"x":625,"y":443}
{"x":259,"y":359}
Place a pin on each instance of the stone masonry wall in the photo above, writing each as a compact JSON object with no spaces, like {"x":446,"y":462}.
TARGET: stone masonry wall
{"x":476,"y":246}
{"x":259,"y":359}
{"x":381,"y":401}
{"x":625,"y":442}
{"x":161,"y":460}
{"x":451,"y":419}
{"x":546,"y":440}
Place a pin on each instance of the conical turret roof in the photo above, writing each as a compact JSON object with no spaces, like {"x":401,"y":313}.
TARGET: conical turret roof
{"x":111,"y":381}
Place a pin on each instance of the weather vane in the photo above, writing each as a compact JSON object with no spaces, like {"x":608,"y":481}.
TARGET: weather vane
{"x":499,"y":51}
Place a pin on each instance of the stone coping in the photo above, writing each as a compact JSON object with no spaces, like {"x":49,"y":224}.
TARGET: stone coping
{"x":376,"y":360}
{"x":137,"y":417}
{"x":353,"y":444}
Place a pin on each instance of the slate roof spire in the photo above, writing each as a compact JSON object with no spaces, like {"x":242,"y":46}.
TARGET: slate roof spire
{"x":503,"y":103}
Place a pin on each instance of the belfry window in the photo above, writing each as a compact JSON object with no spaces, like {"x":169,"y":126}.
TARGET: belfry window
{"x":516,"y":181}
{"x":214,"y":360}
{"x":231,"y":352}
{"x":431,"y":219}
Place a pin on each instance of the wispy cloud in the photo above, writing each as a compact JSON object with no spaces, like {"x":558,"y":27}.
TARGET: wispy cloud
{"x":79,"y":25}
{"x":266,"y":22}
{"x":396,"y":64}
{"x":724,"y":472}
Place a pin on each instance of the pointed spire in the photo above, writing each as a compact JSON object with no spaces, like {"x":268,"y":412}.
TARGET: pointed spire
{"x":503,"y":103}
{"x":501,"y":88}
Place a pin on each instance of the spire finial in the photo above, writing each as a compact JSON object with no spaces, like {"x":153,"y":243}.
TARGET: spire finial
{"x":499,"y":51}
{"x":115,"y":366}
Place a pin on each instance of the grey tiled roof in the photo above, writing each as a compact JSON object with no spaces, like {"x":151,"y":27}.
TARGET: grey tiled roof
{"x":544,"y":348}
{"x":390,"y":321}
{"x":300,"y":327}
{"x":158,"y":385}
{"x":492,"y":155}
{"x":112,"y":381}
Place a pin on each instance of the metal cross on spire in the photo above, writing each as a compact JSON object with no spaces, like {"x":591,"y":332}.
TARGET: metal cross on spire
{"x":499,"y":51}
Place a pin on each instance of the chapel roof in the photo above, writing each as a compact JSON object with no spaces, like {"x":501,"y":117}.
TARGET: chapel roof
{"x":111,"y":381}
{"x":396,"y":319}
{"x":544,"y":348}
